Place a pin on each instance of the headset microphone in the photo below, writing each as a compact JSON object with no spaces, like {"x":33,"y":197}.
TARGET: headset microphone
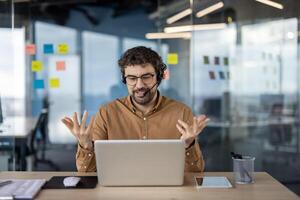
{"x":150,"y":89}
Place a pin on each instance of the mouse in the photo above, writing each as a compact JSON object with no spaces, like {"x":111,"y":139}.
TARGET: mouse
{"x":71,"y":181}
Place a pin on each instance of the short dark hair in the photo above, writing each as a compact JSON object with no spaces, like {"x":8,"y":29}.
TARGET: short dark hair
{"x":141,"y":55}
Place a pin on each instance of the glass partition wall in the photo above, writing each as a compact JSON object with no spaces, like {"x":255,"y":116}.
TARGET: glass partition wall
{"x":241,"y":68}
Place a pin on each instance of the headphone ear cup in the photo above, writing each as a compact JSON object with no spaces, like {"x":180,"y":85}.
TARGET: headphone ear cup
{"x":160,"y":76}
{"x":123,"y":80}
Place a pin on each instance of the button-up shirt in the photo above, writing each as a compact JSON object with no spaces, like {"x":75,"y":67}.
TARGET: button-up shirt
{"x":120,"y":120}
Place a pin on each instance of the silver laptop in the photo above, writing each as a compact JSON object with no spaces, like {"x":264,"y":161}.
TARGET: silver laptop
{"x":140,"y":162}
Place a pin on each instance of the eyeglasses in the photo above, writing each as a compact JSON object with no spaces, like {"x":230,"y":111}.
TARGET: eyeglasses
{"x":146,"y":78}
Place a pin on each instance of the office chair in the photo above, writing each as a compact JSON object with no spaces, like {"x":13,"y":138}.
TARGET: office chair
{"x":37,"y":145}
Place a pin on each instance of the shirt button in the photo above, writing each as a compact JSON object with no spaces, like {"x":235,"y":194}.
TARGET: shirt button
{"x":90,"y":155}
{"x":144,"y":118}
{"x":144,"y":137}
{"x":84,"y":167}
{"x":192,"y":163}
{"x":187,"y":153}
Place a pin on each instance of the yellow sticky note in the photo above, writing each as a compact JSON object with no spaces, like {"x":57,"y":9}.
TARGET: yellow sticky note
{"x":63,"y":48}
{"x":172,"y":58}
{"x":54,"y":83}
{"x":36,"y":66}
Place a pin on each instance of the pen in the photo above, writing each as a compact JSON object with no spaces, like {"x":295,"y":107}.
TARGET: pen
{"x":243,"y":170}
{"x":3,"y":183}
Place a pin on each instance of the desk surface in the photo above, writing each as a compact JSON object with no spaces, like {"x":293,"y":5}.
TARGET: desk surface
{"x":265,"y":187}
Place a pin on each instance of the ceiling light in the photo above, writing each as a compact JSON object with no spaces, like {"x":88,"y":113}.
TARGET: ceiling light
{"x":179,"y":16}
{"x":185,"y":35}
{"x":271,"y":3}
{"x":209,"y":9}
{"x":199,"y":27}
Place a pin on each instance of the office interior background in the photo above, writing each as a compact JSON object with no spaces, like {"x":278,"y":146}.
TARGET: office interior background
{"x":237,"y":61}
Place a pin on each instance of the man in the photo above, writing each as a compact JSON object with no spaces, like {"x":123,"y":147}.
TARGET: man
{"x":143,"y":114}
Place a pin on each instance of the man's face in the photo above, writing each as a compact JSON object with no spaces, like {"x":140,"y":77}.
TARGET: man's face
{"x":138,"y":87}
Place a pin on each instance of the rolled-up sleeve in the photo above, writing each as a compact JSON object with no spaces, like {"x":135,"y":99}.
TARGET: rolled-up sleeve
{"x":194,"y":161}
{"x":85,"y":159}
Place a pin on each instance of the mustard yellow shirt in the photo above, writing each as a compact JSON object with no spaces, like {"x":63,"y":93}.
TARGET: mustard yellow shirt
{"x":119,"y":120}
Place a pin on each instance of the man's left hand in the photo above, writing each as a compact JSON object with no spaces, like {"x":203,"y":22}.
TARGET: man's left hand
{"x":190,"y":132}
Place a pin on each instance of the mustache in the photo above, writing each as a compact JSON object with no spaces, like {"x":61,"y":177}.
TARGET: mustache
{"x":140,"y":90}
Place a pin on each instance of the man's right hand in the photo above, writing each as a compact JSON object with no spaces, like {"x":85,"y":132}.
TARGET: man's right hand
{"x":80,"y":131}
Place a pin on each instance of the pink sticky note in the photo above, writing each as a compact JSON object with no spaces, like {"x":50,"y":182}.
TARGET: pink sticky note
{"x":166,"y":75}
{"x":30,"y":49}
{"x":60,"y":65}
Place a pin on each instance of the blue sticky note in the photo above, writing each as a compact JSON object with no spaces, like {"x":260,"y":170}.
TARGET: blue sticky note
{"x":48,"y":48}
{"x":38,"y":84}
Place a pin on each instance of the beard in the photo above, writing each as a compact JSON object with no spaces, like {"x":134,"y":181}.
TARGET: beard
{"x":140,"y":98}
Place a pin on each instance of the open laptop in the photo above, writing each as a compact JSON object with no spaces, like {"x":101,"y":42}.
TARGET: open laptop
{"x":140,"y":162}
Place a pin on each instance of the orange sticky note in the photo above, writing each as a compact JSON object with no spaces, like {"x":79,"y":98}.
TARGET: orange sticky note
{"x":172,"y":58}
{"x":166,"y":75}
{"x":60,"y":65}
{"x":63,"y":48}
{"x":36,"y":66}
{"x":30,"y":49}
{"x":54,"y":83}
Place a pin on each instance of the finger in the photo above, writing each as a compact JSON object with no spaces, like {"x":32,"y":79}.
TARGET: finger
{"x":180,"y":129}
{"x":75,"y":121}
{"x":183,"y":124}
{"x":202,"y":126}
{"x":204,"y":123}
{"x":68,"y":119}
{"x":91,"y":124}
{"x":83,"y":121}
{"x":67,"y":123}
{"x":195,"y":124}
{"x":201,"y":118}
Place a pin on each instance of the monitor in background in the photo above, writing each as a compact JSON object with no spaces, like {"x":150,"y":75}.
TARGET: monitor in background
{"x":267,"y":101}
{"x":212,"y":107}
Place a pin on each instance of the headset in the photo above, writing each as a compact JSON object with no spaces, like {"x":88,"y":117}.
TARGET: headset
{"x":159,"y":73}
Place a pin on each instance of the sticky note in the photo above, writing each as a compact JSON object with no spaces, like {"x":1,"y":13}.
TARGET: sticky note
{"x":222,"y":75}
{"x":54,"y":83}
{"x":172,"y":58}
{"x":206,"y":60}
{"x":30,"y":49}
{"x":62,"y":48}
{"x":38,"y":84}
{"x":217,"y":60}
{"x":212,"y":75}
{"x":36,"y":66}
{"x":166,"y":75}
{"x":226,"y":61}
{"x":60,"y":66}
{"x":48,"y":49}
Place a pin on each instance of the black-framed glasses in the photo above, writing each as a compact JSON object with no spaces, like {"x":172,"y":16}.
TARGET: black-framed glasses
{"x":146,"y":78}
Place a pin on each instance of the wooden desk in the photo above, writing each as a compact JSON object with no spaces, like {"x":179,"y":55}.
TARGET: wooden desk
{"x":264,"y":188}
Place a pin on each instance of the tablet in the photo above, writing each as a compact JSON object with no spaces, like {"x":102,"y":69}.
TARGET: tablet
{"x":212,"y":182}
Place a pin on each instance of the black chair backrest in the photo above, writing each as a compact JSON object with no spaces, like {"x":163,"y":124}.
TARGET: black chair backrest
{"x":39,"y":126}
